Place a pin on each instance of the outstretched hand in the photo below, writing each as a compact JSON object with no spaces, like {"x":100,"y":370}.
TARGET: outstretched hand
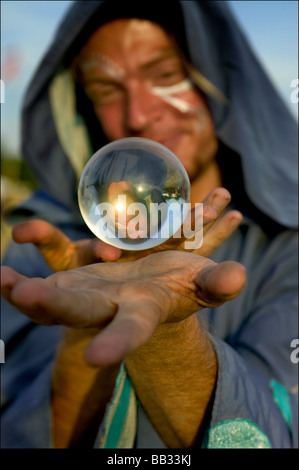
{"x":127,"y":301}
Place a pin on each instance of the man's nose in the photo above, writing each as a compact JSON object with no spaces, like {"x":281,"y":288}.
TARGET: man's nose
{"x":142,"y":107}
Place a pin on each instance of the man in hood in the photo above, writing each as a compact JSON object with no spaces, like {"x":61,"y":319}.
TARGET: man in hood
{"x":176,"y":364}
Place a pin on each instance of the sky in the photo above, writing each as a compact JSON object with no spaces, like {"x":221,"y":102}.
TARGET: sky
{"x":27,"y":28}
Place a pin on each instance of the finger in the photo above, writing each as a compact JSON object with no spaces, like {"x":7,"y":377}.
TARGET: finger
{"x":218,"y":199}
{"x":39,"y":232}
{"x":47,"y":304}
{"x":130,"y":329}
{"x":215,"y":202}
{"x":219,"y":283}
{"x":208,"y":215}
{"x":213,"y":205}
{"x":194,"y":218}
{"x":218,"y":232}
{"x":9,"y":278}
{"x":96,"y":250}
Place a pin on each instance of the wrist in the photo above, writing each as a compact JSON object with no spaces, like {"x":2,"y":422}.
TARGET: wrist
{"x":174,"y":376}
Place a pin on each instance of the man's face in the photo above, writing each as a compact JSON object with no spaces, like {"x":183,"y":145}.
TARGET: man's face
{"x":129,"y":70}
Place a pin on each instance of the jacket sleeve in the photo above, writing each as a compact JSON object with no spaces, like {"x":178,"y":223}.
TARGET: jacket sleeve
{"x":29,"y":355}
{"x":256,"y":398}
{"x":249,"y":411}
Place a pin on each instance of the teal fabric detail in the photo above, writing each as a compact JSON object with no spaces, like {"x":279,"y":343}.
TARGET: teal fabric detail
{"x":237,"y":434}
{"x":120,"y":414}
{"x":282,"y":400}
{"x":119,"y":426}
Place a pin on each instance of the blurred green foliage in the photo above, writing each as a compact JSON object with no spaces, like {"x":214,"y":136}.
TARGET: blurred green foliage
{"x":16,"y":169}
{"x":17,"y":182}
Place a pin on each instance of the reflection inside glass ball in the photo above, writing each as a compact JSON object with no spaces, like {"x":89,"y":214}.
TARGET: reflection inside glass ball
{"x":133,"y":193}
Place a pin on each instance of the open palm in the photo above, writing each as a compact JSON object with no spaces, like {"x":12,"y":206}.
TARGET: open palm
{"x":127,"y":301}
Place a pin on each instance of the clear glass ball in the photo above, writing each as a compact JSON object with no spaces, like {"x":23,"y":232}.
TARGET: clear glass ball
{"x":133,"y":193}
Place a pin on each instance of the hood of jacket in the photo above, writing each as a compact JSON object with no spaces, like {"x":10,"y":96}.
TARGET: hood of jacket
{"x":57,"y":140}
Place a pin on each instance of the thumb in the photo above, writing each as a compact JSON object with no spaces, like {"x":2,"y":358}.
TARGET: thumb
{"x":55,"y":247}
{"x":59,"y":251}
{"x":222,"y":282}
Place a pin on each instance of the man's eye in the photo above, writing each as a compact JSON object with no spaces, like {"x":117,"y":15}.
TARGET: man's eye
{"x":102,"y":93}
{"x":168,"y":78}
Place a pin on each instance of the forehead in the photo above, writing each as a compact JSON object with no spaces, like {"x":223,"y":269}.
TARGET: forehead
{"x":129,"y":39}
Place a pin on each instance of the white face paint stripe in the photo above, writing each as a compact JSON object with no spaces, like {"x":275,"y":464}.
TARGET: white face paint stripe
{"x":99,"y":59}
{"x":166,"y":94}
{"x":178,"y":103}
{"x":181,"y":87}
